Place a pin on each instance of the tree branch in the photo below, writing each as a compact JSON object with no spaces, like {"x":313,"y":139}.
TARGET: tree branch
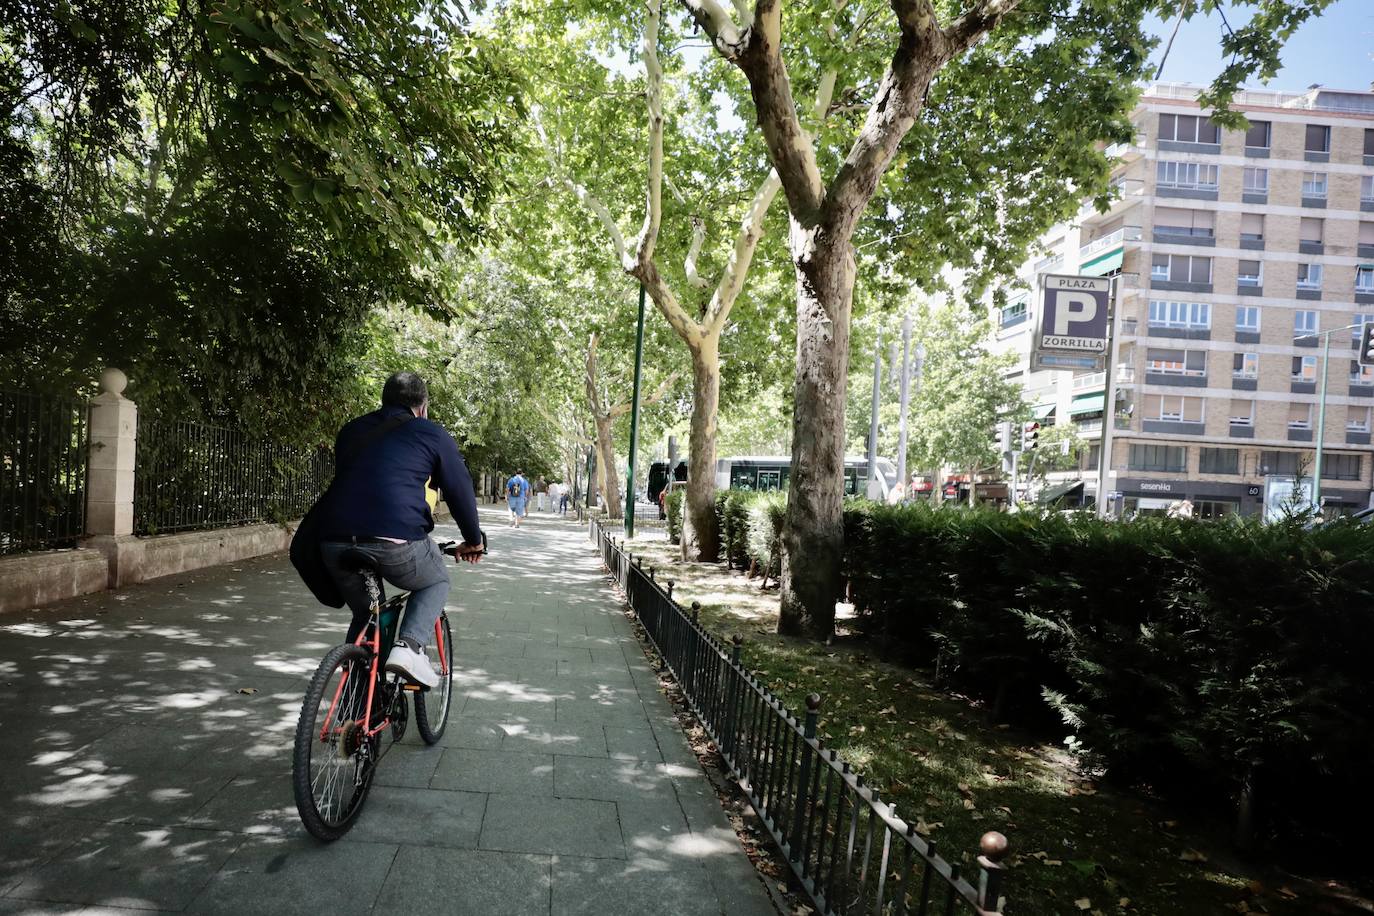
{"x":660,"y":392}
{"x":964,"y":32}
{"x":758,"y":53}
{"x":587,"y":198}
{"x":693,"y":252}
{"x":653,"y":98}
{"x":737,"y":268}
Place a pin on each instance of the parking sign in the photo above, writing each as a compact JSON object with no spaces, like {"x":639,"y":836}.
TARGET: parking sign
{"x":1072,"y":328}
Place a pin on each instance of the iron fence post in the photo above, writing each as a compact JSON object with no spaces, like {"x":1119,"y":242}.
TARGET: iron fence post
{"x":813,"y":705}
{"x":732,"y":696}
{"x":993,"y":847}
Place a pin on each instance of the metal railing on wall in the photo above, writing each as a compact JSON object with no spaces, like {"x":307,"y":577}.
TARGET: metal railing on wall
{"x":847,"y":847}
{"x":43,"y":449}
{"x":195,"y":476}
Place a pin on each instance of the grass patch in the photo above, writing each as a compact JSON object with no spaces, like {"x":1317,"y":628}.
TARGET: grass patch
{"x":948,"y":768}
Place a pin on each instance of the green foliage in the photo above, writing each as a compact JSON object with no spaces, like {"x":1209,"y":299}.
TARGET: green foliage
{"x":732,"y":515}
{"x":1198,"y":657}
{"x":672,"y":504}
{"x":765,"y":517}
{"x":213,"y":196}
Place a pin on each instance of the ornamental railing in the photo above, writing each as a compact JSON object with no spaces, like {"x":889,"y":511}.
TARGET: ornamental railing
{"x":847,"y":847}
{"x":196,"y":476}
{"x":43,"y":448}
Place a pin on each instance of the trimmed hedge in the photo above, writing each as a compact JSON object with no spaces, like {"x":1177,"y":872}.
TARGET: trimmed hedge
{"x":672,"y":505}
{"x":1198,"y":656}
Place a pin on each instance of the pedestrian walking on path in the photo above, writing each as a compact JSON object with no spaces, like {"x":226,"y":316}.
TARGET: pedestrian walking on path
{"x":517,"y":498}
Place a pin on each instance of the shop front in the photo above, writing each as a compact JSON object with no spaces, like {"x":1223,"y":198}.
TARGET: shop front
{"x":1214,"y":499}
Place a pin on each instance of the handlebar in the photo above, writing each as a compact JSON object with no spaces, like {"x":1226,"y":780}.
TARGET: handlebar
{"x":451,"y":547}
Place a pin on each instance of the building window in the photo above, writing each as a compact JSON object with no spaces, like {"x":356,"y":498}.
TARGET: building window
{"x":1242,"y":413}
{"x":1188,"y":129}
{"x":1304,"y":323}
{"x":1314,"y":185}
{"x":1285,"y":464}
{"x":1173,"y":408}
{"x":1304,"y":368}
{"x":1194,"y":176}
{"x":1359,"y":320}
{"x":1366,"y":233}
{"x":1369,"y":141}
{"x":1178,"y":221}
{"x":1367,"y":188}
{"x":1362,"y":376}
{"x":1219,"y":461}
{"x":1013,"y":313}
{"x":1357,"y":419}
{"x":1364,"y":279}
{"x":1252,"y":227}
{"x":1318,"y":139}
{"x":1191,"y":315}
{"x":1255,"y":181}
{"x":1341,"y":467}
{"x":1309,"y":276}
{"x":1299,"y":416}
{"x":1310,"y":230}
{"x":1257,"y":137}
{"x":1245,"y":365}
{"x":1176,"y":362}
{"x":1249,"y":273}
{"x":1211,"y":510}
{"x":1172,"y":458}
{"x":1181,"y":268}
{"x":1248,"y":318}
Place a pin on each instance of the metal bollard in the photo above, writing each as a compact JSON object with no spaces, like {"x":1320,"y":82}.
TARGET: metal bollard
{"x":993,"y":847}
{"x":813,"y":705}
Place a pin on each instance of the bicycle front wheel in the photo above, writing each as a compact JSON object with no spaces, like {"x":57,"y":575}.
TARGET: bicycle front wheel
{"x":432,"y":706}
{"x":334,"y":761}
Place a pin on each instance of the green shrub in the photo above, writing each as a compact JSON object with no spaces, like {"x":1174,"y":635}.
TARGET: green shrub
{"x":672,"y":504}
{"x":1217,"y":657}
{"x":732,"y":513}
{"x":764,"y":529}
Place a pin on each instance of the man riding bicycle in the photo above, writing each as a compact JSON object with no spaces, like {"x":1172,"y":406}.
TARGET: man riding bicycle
{"x":389,"y":464}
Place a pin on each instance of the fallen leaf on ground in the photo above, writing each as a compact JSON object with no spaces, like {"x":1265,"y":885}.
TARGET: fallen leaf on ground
{"x":1192,"y":855}
{"x":1083,"y":903}
{"x":249,"y":691}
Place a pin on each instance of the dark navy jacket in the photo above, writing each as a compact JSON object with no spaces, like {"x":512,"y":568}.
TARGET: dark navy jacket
{"x":380,"y":491}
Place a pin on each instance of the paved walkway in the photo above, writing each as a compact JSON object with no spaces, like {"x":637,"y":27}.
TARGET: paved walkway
{"x":137,"y":773}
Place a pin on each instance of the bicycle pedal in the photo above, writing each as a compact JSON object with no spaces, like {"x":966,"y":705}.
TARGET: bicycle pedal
{"x":413,"y":688}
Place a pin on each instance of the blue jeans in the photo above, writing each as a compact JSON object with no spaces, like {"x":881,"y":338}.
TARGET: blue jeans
{"x":415,"y":565}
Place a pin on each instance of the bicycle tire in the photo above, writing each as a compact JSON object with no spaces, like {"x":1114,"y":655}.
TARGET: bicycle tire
{"x":337,"y":818}
{"x":434,"y":706}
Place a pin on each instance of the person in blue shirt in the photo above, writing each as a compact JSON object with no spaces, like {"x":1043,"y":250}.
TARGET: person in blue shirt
{"x":389,"y":464}
{"x":517,"y":497}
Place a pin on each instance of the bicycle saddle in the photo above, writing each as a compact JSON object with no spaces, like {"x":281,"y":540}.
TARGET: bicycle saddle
{"x":355,"y":560}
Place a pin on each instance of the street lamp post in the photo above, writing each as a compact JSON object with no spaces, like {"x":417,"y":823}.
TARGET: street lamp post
{"x":1321,"y":409}
{"x":905,"y":401}
{"x":873,"y":420}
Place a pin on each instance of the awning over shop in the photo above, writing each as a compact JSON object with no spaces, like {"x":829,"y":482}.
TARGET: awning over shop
{"x":1043,"y":411}
{"x":1103,"y":264}
{"x":1087,"y":403}
{"x":1059,"y":491}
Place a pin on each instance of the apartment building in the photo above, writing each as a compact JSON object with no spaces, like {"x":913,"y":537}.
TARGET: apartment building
{"x":1234,"y":253}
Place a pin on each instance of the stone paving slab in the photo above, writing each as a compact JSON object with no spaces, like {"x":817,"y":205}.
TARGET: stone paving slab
{"x":147,"y":766}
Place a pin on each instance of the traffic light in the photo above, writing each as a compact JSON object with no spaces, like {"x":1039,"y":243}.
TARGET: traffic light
{"x":1367,"y":344}
{"x":1030,"y":436}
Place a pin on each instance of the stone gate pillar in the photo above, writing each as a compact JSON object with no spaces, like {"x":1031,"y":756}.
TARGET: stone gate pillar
{"x":113,"y":436}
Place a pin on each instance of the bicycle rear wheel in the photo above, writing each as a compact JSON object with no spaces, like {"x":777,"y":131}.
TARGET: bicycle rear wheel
{"x":333,"y":762}
{"x":432,"y":706}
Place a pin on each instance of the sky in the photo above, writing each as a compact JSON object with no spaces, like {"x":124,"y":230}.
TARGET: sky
{"x":1334,"y":49}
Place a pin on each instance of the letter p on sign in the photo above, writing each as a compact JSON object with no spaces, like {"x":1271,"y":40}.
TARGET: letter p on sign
{"x":1072,"y":307}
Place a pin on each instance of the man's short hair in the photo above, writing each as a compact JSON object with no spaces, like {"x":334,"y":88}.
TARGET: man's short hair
{"x":405,"y":389}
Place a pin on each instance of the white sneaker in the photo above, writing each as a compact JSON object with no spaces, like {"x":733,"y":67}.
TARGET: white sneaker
{"x":411,"y":665}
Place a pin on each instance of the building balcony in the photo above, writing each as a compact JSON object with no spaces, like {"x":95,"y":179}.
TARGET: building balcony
{"x":1049,"y":262}
{"x":1108,"y":243}
{"x":1127,"y":192}
{"x":1094,"y":381}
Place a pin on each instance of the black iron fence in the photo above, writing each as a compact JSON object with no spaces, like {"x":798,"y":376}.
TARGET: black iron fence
{"x":194,"y":476}
{"x":846,"y":845}
{"x":42,"y":471}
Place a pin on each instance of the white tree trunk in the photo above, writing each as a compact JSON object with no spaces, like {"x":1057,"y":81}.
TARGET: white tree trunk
{"x":701,"y":533}
{"x":606,"y":471}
